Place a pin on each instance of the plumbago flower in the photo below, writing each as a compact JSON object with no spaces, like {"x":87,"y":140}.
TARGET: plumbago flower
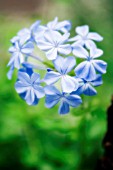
{"x":63,"y":80}
{"x":54,"y":44}
{"x":85,"y":38}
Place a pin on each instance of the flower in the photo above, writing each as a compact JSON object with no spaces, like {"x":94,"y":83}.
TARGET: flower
{"x":85,"y":37}
{"x":63,"y":66}
{"x":53,"y":96}
{"x":86,"y":87}
{"x":28,"y":86}
{"x":54,"y":44}
{"x":87,"y":69}
{"x":63,"y":26}
{"x":18,"y":52}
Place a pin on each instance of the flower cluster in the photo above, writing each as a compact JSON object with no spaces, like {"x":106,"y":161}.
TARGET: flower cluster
{"x":62,"y":80}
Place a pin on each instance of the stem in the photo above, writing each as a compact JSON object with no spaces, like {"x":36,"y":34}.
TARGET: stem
{"x":37,"y":66}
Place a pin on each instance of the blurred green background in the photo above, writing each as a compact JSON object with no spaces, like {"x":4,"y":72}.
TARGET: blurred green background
{"x":36,"y":138}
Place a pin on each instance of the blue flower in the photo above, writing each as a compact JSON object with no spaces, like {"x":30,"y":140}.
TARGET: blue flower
{"x":18,"y":52}
{"x":53,"y":96}
{"x":54,"y":44}
{"x":87,"y":69}
{"x":63,"y":66}
{"x":86,"y":87}
{"x":63,"y":26}
{"x":85,"y":37}
{"x":28,"y":86}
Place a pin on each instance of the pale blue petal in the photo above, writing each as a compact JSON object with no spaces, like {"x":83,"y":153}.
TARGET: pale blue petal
{"x":59,"y":64}
{"x":10,"y":72}
{"x":52,"y":24}
{"x":64,"y":49}
{"x":18,"y":59}
{"x":64,"y":38}
{"x":89,"y":44}
{"x":100,"y":66}
{"x":21,"y":87}
{"x":73,"y":100}
{"x":51,"y":77}
{"x":52,"y":90}
{"x":64,"y":108}
{"x":80,"y":52}
{"x":27,"y":48}
{"x":86,"y":71}
{"x":76,"y":38}
{"x":98,"y":81}
{"x":52,"y":54}
{"x":35,"y":78}
{"x":52,"y":36}
{"x":25,"y":35}
{"x":82,"y":30}
{"x":45,"y":46}
{"x":95,"y":36}
{"x":64,"y":65}
{"x":51,"y":100}
{"x":12,"y":49}
{"x":24,"y":77}
{"x":39,"y":91}
{"x":34,"y":27}
{"x":89,"y":90}
{"x":30,"y":96}
{"x":14,"y":39}
{"x":69,"y":84}
{"x":64,"y":26}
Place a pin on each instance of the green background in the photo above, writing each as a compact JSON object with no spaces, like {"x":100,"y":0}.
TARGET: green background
{"x":36,"y":138}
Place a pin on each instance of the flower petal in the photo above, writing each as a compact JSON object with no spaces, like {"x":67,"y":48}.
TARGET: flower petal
{"x":73,"y":100}
{"x":64,"y":108}
{"x":64,"y":65}
{"x":52,"y":54}
{"x":98,"y":81}
{"x":52,"y":90}
{"x":30,"y":96}
{"x":95,"y":36}
{"x":80,"y":52}
{"x":35,"y":78}
{"x":69,"y":84}
{"x":95,"y":52}
{"x":64,"y":49}
{"x":90,"y":44}
{"x":24,"y":77}
{"x":100,"y":66}
{"x":86,"y":71}
{"x":64,"y":38}
{"x":89,"y":90}
{"x":51,"y":77}
{"x":39,"y":91}
{"x":51,"y":100}
{"x":82,"y":30}
{"x":27,"y":48}
{"x":21,"y":87}
{"x":76,"y":38}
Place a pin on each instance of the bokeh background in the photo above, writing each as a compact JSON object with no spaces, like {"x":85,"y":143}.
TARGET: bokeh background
{"x":36,"y":138}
